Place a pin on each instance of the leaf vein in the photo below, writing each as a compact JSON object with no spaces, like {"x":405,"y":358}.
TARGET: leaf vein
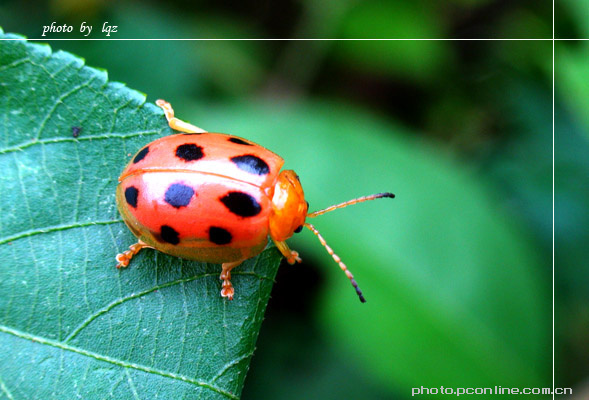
{"x":37,"y":286}
{"x":114,"y":361}
{"x":5,"y":390}
{"x":184,"y":325}
{"x":157,"y":328}
{"x":24,"y":192}
{"x":59,"y":101}
{"x":56,"y":228}
{"x":124,"y":299}
{"x":231,"y":364}
{"x":100,"y":136}
{"x":80,"y":185}
{"x":133,"y":296}
{"x":131,"y":384}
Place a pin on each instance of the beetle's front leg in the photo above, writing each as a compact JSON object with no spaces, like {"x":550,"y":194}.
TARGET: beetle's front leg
{"x":291,"y":255}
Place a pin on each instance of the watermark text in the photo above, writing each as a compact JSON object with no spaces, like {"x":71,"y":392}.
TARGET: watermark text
{"x":85,"y":29}
{"x":487,"y":390}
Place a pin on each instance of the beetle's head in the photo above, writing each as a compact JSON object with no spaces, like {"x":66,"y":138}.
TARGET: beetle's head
{"x":289,"y":208}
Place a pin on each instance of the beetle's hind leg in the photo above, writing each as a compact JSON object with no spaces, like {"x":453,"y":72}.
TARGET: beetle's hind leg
{"x":175,"y":123}
{"x":124,"y":258}
{"x":227,"y":289}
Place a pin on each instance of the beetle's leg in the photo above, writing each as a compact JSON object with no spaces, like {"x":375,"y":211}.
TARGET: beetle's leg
{"x":227,"y":290}
{"x":291,"y":255}
{"x":124,"y":258}
{"x":175,"y":123}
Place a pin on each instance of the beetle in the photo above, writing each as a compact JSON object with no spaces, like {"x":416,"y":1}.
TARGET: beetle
{"x":215,"y":198}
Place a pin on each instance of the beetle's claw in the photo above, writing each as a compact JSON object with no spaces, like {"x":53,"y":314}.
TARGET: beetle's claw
{"x":124,"y":258}
{"x":227,"y":290}
{"x":293,"y":258}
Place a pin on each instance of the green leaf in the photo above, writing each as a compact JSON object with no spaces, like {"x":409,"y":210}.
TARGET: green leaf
{"x":72,"y":325}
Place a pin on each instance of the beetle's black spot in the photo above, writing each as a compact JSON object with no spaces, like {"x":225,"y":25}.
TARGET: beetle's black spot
{"x":251,"y":164}
{"x":178,"y":195}
{"x":300,"y":228}
{"x":239,"y":141}
{"x":76,"y":131}
{"x":141,"y":155}
{"x":241,"y":204}
{"x":131,"y":194}
{"x":219,"y":235}
{"x":307,"y":204}
{"x":169,"y":234}
{"x":189,"y":152}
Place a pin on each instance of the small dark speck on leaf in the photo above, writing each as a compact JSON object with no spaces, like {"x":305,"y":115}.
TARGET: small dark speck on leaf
{"x":76,"y":131}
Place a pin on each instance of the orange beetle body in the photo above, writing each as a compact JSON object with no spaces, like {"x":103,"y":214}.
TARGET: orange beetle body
{"x":205,"y":208}
{"x":214,"y":198}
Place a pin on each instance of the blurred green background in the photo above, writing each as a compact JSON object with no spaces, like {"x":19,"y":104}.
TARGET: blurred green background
{"x":457,"y":269}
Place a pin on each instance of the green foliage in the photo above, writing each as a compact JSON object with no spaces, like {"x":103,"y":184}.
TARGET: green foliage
{"x":571,"y":20}
{"x":72,"y":324}
{"x":572,"y":87}
{"x":419,"y":60}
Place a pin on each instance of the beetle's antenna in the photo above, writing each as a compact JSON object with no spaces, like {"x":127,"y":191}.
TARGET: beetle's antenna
{"x":350,"y":202}
{"x":337,"y":260}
